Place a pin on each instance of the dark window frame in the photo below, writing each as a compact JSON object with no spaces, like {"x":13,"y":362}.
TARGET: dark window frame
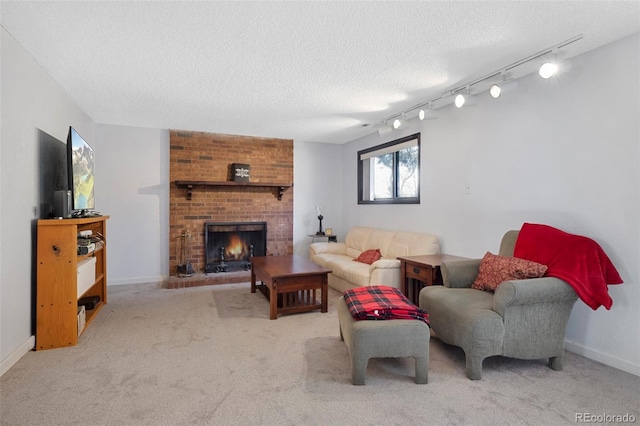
{"x":395,"y":199}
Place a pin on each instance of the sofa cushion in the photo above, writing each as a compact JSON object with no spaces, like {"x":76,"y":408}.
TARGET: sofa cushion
{"x":495,"y":269}
{"x":356,"y":273}
{"x":368,"y":256}
{"x":358,"y":239}
{"x":412,"y":243}
{"x":361,"y":238}
{"x":325,"y":259}
{"x":382,"y":239}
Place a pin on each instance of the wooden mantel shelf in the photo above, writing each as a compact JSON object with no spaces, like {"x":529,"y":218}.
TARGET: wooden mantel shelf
{"x":190,"y":184}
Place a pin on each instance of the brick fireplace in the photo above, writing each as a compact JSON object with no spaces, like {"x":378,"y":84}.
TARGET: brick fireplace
{"x":206,"y":159}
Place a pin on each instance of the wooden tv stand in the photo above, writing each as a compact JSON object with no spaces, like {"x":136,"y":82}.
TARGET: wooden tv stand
{"x":57,"y":279}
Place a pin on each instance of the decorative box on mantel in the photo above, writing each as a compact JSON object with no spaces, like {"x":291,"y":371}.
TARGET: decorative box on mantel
{"x":240,"y":172}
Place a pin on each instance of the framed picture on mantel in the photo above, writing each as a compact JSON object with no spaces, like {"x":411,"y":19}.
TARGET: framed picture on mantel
{"x":240,"y":172}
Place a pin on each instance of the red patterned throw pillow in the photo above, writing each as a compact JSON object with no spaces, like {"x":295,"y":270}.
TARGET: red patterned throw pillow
{"x":495,"y":269}
{"x":369,"y":256}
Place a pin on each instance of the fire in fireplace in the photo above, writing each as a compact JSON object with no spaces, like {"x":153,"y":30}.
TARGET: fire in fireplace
{"x":229,"y":246}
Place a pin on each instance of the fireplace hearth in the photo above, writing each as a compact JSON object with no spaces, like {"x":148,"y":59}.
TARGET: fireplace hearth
{"x":229,"y":246}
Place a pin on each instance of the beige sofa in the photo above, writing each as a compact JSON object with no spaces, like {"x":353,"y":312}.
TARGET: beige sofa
{"x":347,"y":273}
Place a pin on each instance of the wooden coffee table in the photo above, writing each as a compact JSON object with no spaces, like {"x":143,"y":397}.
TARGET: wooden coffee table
{"x":290,"y":283}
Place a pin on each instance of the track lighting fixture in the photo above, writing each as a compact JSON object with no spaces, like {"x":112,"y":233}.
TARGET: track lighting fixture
{"x":401,"y":123}
{"x":547,"y":70}
{"x":428,"y":113}
{"x":385,"y":129}
{"x":553,"y":67}
{"x":495,"y":91}
{"x":466,"y":99}
{"x":498,"y":89}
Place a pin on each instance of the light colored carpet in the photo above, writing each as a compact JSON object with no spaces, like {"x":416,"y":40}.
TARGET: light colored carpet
{"x":210,"y":355}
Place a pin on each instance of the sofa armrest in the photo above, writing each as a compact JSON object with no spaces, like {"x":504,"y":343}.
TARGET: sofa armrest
{"x":385,"y":264}
{"x":460,"y":273}
{"x":333,"y":248}
{"x":531,"y":291}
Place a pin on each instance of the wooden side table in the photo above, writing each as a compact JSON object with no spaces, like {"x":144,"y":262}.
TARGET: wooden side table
{"x":420,"y":271}
{"x":330,"y":238}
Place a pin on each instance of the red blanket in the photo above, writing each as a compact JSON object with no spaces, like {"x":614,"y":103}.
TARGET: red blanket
{"x":578,"y":260}
{"x":382,"y":302}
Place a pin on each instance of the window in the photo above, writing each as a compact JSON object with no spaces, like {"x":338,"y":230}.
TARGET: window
{"x":390,"y":173}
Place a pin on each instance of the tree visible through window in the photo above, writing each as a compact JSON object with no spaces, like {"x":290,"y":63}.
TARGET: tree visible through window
{"x":390,"y":173}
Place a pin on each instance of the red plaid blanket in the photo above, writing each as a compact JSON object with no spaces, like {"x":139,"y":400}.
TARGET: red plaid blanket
{"x":382,"y":302}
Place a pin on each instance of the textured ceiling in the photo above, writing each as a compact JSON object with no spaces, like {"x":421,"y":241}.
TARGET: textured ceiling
{"x":309,"y":71}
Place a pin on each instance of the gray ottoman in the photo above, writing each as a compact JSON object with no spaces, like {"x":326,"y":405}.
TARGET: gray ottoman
{"x":383,"y":339}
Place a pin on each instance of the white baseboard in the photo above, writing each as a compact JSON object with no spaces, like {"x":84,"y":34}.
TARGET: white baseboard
{"x":15,"y":356}
{"x":137,"y":280}
{"x":602,"y":357}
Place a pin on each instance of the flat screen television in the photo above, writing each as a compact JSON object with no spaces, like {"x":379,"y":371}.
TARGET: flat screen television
{"x":52,"y":172}
{"x":80,"y":171}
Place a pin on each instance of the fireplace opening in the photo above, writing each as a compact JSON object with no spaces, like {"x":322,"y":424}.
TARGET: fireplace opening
{"x":229,"y":246}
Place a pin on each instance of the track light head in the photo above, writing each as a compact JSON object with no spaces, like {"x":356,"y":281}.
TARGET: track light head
{"x":385,"y":129}
{"x":401,"y":124}
{"x":495,"y":91}
{"x":548,"y":69}
{"x":554,"y":67}
{"x":466,"y":99}
{"x":499,"y":88}
{"x":427,"y":114}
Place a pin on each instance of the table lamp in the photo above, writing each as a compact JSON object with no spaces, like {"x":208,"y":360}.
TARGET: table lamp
{"x":319,"y":211}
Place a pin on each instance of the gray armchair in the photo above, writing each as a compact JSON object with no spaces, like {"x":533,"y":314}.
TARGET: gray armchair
{"x":524,"y":319}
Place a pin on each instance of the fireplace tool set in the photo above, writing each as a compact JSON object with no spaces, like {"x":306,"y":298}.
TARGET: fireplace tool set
{"x":184,"y":267}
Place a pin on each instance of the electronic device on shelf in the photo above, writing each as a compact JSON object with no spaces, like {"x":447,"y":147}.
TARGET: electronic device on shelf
{"x":85,"y":213}
{"x":89,"y":302}
{"x":86,"y":249}
{"x":88,"y":242}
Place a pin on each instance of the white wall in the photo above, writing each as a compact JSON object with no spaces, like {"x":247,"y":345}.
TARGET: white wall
{"x":317,"y":177}
{"x":561,"y":152}
{"x":31,"y":103}
{"x":132,"y":187}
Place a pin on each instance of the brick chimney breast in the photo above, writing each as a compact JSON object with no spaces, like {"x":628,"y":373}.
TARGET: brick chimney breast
{"x":200,"y":156}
